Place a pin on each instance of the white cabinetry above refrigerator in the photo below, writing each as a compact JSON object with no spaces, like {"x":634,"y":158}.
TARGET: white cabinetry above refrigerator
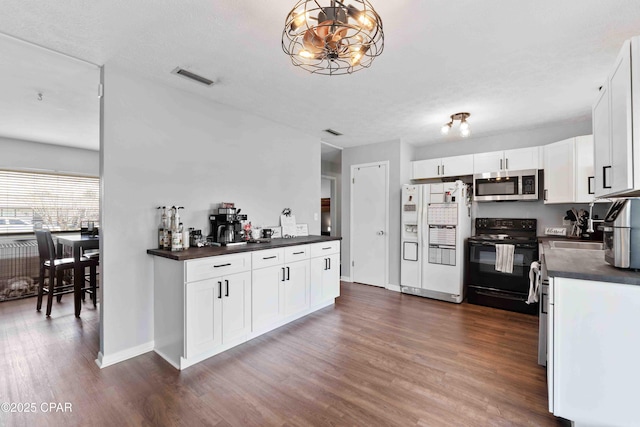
{"x":443,"y":167}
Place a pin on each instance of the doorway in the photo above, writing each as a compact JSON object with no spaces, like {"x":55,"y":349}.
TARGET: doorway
{"x":328,"y":198}
{"x":370,"y":223}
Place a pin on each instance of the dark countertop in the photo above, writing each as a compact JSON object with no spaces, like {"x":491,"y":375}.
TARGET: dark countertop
{"x":585,"y":264}
{"x":193,"y":253}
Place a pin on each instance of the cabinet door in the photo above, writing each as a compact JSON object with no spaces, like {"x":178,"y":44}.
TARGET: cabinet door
{"x":488,"y":162}
{"x":457,"y":165}
{"x":602,"y":143}
{"x":318,"y":267}
{"x":331,"y":278}
{"x":325,"y":279}
{"x":621,"y":123}
{"x":585,"y":179}
{"x":559,"y":178}
{"x":267,"y":296}
{"x":423,"y":169}
{"x":203,"y":331}
{"x":596,"y":351}
{"x":236,"y":306}
{"x":296,"y":287}
{"x":522,"y":158}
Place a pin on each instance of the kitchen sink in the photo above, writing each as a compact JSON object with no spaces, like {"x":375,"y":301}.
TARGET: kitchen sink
{"x":564,"y":244}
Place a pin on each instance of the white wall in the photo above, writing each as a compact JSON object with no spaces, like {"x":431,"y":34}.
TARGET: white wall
{"x":325,"y":191}
{"x":28,"y":155}
{"x":162,"y":146}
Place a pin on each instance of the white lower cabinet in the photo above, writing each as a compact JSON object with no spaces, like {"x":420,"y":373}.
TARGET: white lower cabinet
{"x":593,"y":351}
{"x":205,"y":306}
{"x":296,"y":287}
{"x":267,"y":297}
{"x":218,"y":311}
{"x":325,"y":279}
{"x":203,"y":329}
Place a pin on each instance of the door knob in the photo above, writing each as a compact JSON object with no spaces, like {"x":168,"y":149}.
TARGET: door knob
{"x":380,"y":233}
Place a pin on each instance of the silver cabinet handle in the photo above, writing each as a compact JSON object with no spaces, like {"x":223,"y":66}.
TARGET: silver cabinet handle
{"x":380,"y":233}
{"x":500,"y":164}
{"x":506,"y":163}
{"x":442,"y":169}
{"x":438,"y":169}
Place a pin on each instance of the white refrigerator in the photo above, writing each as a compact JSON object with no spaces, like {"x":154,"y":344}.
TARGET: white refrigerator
{"x":436,"y":222}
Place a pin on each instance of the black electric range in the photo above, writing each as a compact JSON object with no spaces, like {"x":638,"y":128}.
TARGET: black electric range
{"x":488,"y":286}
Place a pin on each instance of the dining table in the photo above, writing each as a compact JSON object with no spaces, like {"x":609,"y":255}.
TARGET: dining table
{"x":78,"y":244}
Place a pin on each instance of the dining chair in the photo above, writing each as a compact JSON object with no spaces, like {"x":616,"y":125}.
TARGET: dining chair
{"x":55,"y":268}
{"x":91,"y":278}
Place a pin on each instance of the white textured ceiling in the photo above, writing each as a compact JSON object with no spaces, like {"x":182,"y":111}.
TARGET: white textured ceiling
{"x":47,"y":97}
{"x":511,"y":64}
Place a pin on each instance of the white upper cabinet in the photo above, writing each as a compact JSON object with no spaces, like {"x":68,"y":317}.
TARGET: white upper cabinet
{"x":517,"y":159}
{"x":569,"y":171}
{"x":457,"y":165}
{"x":584,"y":168}
{"x":614,"y":126}
{"x":559,"y":169}
{"x":488,"y":162}
{"x":443,"y":167}
{"x":522,"y":158}
{"x":429,"y":168}
{"x":602,"y":143}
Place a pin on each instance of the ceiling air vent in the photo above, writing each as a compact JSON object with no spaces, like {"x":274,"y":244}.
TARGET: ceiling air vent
{"x":333,"y":132}
{"x":192,"y":76}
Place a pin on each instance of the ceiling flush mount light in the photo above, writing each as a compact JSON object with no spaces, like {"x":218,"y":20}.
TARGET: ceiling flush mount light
{"x":333,"y":39}
{"x":464,"y":125}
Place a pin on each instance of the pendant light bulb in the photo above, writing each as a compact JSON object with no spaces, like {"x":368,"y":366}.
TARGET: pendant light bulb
{"x":465,"y":132}
{"x":464,"y":126}
{"x":446,"y":128}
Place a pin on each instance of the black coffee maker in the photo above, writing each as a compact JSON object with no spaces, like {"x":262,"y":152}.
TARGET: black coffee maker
{"x":226,"y":227}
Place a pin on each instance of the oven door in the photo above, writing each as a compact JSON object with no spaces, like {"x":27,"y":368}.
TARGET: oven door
{"x":482,"y":266}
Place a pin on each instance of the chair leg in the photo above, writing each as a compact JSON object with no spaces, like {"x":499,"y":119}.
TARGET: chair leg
{"x":84,"y":284}
{"x":60,"y":282}
{"x":52,"y":285}
{"x":92,"y":278}
{"x":40,"y":286}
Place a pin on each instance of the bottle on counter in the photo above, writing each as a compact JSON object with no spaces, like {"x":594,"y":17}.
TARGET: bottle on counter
{"x":176,"y":229}
{"x":185,"y":237}
{"x":162,"y":228}
{"x":168,"y":231}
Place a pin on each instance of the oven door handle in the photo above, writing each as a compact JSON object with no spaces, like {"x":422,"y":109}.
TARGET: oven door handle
{"x":517,"y":245}
{"x":501,"y":295}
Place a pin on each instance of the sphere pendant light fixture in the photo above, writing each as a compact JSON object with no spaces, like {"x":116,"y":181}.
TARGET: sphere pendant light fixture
{"x":333,"y":39}
{"x":465,"y":131}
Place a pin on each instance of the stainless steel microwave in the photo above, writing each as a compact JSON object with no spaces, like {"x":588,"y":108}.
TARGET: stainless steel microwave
{"x":506,"y":185}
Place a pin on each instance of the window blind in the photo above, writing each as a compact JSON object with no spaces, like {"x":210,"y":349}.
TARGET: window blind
{"x":43,"y":200}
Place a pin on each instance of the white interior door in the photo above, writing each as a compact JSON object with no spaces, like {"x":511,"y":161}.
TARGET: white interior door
{"x":369,"y":223}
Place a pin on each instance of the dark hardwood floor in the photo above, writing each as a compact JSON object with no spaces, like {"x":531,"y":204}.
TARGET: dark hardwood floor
{"x":376,"y":358}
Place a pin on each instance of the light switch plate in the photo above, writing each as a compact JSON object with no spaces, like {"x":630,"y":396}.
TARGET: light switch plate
{"x":555,"y":231}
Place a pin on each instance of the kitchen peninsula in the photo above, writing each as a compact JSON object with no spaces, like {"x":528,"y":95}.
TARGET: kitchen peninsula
{"x":593,"y":339}
{"x":208,"y":300}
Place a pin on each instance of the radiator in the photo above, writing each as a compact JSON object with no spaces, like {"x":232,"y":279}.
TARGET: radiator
{"x":19,"y":269}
